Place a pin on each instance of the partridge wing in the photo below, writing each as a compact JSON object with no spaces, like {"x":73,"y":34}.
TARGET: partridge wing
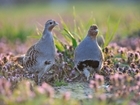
{"x":31,"y":56}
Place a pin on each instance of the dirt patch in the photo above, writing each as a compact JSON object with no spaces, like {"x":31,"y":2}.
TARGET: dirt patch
{"x":77,"y":90}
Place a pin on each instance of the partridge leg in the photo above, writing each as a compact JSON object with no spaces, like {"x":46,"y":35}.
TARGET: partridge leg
{"x":86,"y":73}
{"x":40,"y":75}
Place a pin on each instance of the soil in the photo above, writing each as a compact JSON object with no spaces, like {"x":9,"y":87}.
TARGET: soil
{"x":78,"y":90}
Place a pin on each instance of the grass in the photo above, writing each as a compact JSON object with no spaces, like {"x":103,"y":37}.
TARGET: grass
{"x":113,"y":20}
{"x":12,"y":34}
{"x":25,"y":19}
{"x":60,"y":83}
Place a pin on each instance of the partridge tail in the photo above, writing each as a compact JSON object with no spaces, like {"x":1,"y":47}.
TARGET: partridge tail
{"x":19,"y":59}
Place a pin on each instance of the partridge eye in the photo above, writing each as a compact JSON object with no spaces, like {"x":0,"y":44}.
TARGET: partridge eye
{"x":50,"y":22}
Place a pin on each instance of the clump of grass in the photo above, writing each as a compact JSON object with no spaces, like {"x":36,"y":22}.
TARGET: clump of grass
{"x":60,"y":83}
{"x":76,"y":33}
{"x":110,"y":34}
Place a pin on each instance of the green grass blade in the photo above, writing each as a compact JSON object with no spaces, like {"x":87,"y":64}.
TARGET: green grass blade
{"x":110,"y":32}
{"x":69,"y":34}
{"x":58,"y":44}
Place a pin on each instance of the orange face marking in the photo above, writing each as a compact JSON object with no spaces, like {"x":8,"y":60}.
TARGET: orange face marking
{"x":51,"y":27}
{"x":93,"y":31}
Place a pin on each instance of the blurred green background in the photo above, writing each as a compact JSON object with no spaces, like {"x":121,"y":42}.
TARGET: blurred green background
{"x":23,"y":20}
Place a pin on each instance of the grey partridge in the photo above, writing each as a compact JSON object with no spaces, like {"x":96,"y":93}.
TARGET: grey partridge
{"x":41,"y":56}
{"x":88,"y":56}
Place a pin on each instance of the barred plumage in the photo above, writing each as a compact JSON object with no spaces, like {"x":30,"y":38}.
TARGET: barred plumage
{"x":30,"y":57}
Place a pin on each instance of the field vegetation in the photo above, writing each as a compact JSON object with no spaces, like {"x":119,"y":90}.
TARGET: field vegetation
{"x":118,"y":83}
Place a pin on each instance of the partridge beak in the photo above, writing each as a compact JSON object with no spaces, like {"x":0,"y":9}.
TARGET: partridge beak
{"x":96,"y":30}
{"x":56,"y":23}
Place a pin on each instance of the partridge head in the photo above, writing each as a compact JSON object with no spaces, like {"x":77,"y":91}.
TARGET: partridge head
{"x":93,"y":31}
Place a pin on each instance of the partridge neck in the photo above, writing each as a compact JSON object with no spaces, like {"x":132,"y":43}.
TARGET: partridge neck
{"x":92,"y":34}
{"x":93,"y":37}
{"x":46,"y":34}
